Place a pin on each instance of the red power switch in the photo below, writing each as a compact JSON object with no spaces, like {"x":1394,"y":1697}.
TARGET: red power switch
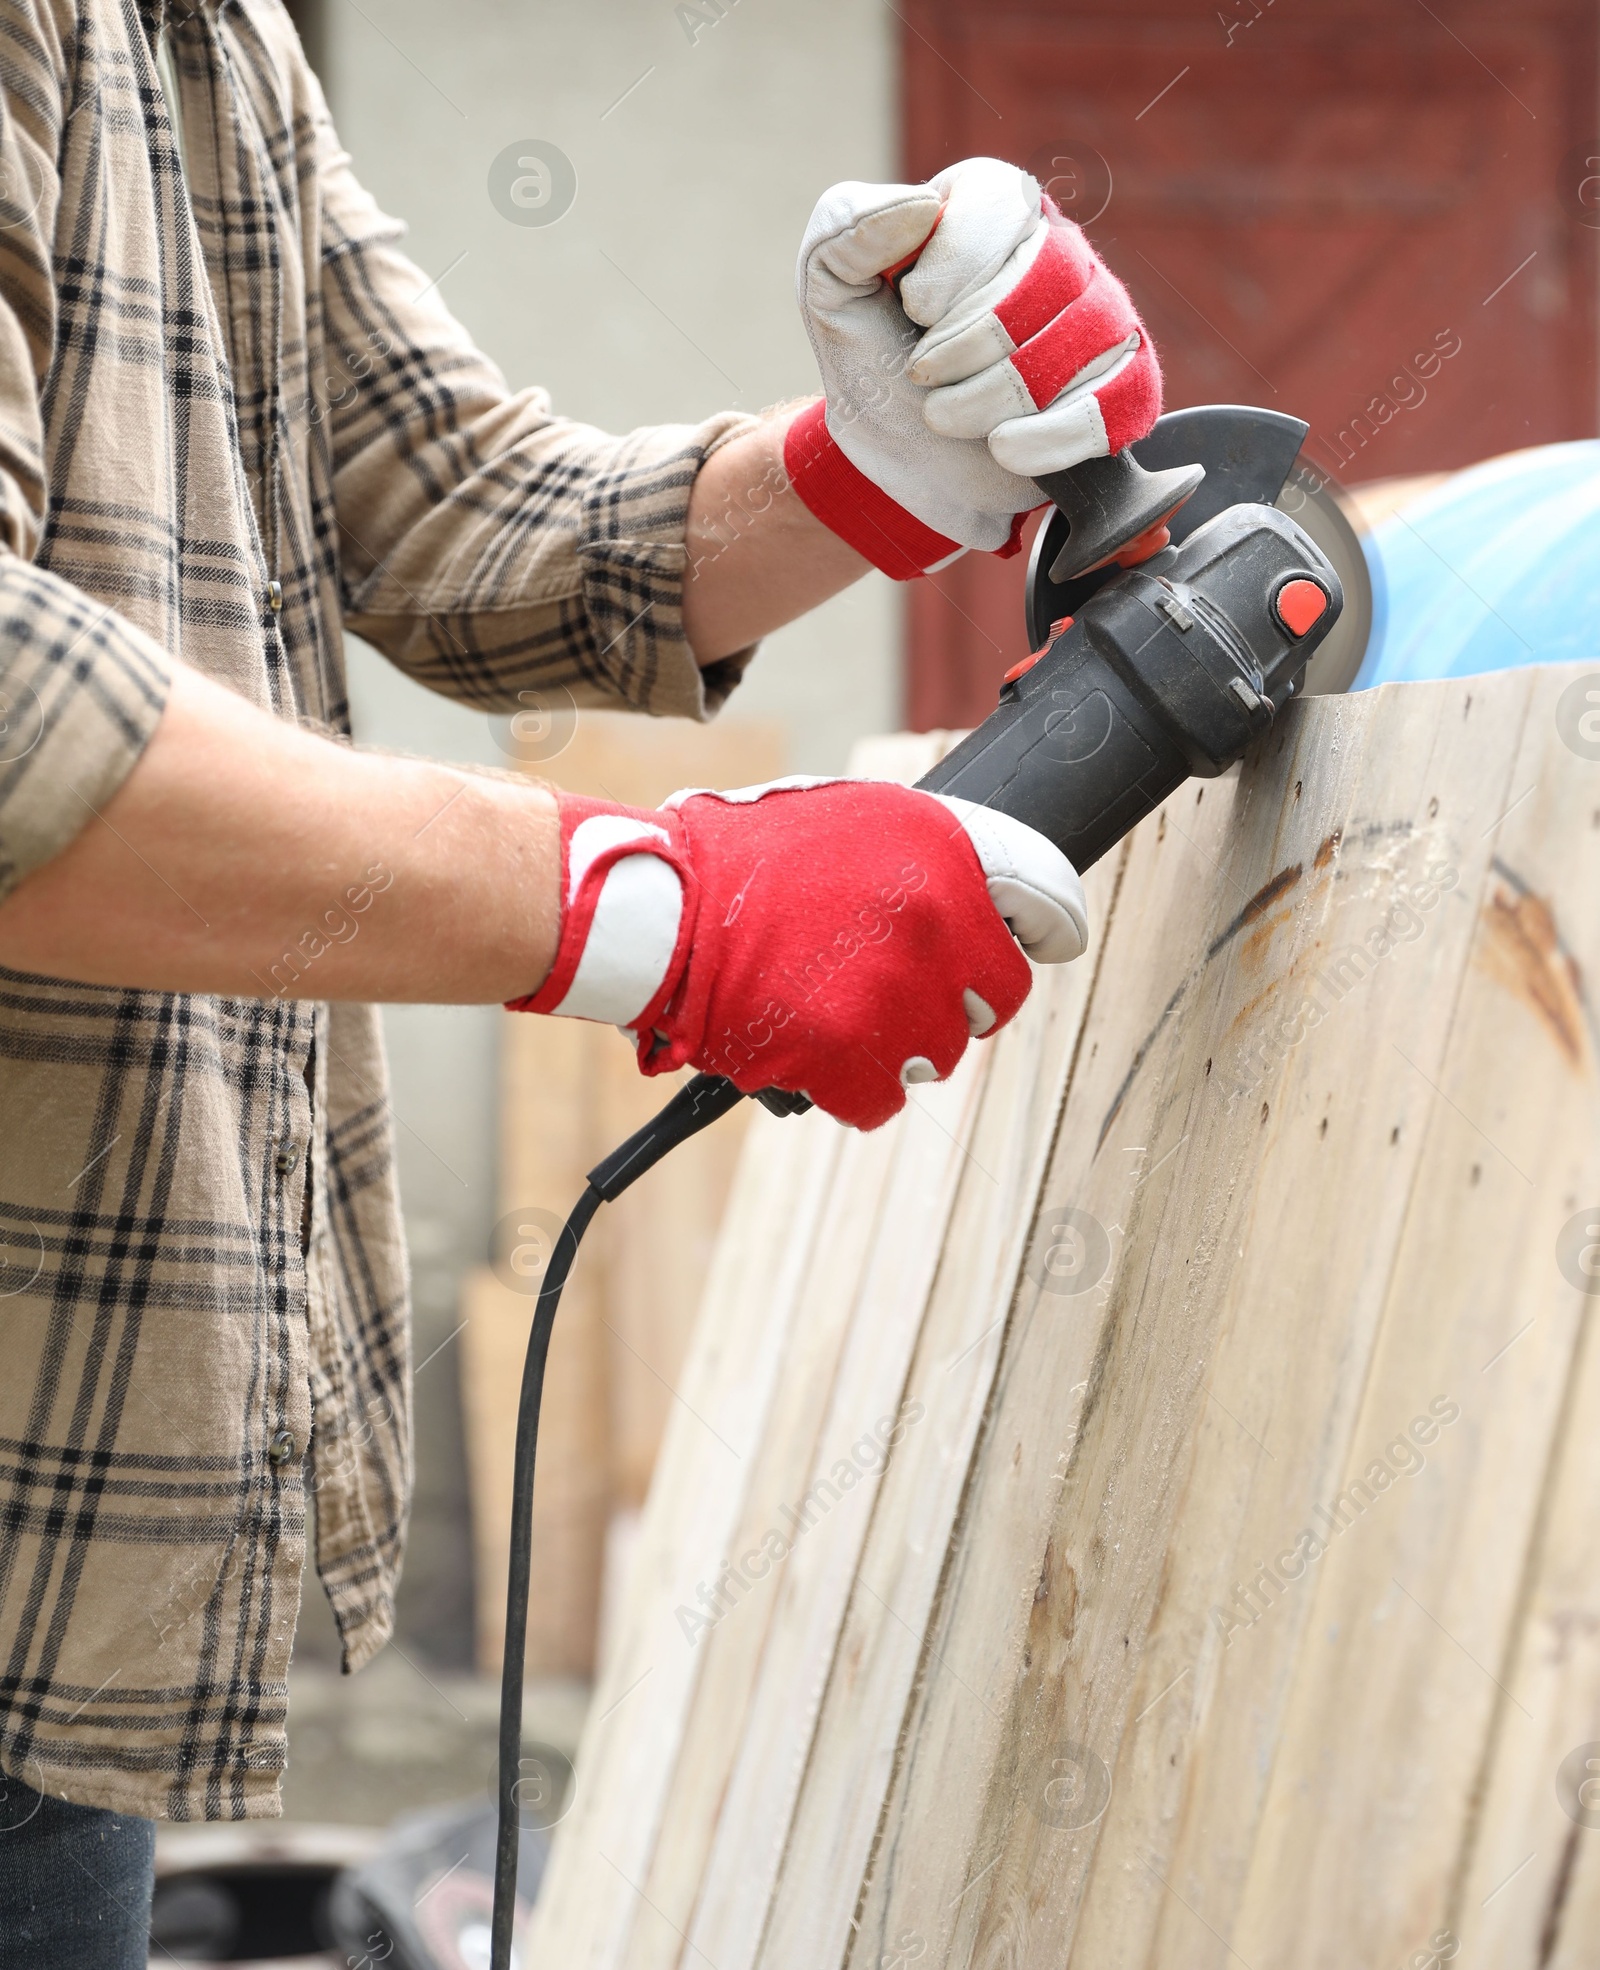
{"x":1021,"y":669}
{"x":1300,"y":605}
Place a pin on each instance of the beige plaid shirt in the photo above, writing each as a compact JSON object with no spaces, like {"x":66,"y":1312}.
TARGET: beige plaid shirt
{"x":232,"y":415}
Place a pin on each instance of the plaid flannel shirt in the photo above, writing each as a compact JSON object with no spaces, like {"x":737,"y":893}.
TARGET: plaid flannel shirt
{"x":232,"y":415}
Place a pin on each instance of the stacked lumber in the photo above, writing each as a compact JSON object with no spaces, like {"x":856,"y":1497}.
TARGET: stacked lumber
{"x":1138,"y":1508}
{"x":570,"y":1092}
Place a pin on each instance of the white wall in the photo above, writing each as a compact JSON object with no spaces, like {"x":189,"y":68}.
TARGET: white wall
{"x":664,"y":293}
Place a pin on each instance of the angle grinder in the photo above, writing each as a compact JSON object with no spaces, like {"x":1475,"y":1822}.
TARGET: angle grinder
{"x":1172,"y":609}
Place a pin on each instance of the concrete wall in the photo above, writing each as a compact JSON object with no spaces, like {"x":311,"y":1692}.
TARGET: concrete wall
{"x":665,"y":292}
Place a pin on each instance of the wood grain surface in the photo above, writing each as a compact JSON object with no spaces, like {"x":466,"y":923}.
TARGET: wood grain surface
{"x":1137,"y":1509}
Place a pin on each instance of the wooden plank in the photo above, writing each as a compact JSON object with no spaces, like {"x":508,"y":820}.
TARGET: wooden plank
{"x":1011,"y":1562}
{"x":1527,"y":1889}
{"x":879,"y":1647}
{"x":1510,"y":1128}
{"x":1530,"y":1878}
{"x":1224,"y":1720}
{"x":858,"y":1401}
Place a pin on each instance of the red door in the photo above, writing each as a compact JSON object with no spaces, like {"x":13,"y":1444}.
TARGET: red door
{"x":1376,"y":214}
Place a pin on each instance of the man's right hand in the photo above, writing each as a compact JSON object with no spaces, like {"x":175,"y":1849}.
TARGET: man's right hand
{"x":840,"y":938}
{"x":1032,"y":360}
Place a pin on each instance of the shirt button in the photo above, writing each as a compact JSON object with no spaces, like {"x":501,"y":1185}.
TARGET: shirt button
{"x":288,"y":1155}
{"x":274,"y":596}
{"x":282,"y":1447}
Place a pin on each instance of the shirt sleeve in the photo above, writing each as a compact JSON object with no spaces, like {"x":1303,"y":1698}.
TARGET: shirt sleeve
{"x":81,"y":688}
{"x":487,"y":545}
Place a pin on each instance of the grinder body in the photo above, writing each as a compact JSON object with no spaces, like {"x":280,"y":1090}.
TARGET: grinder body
{"x":1166,"y":669}
{"x":1170,"y":670}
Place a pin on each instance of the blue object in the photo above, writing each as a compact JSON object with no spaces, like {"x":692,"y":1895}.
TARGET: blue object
{"x":1497,"y":567}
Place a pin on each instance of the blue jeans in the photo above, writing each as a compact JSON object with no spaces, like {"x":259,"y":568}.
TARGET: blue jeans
{"x":75,"y":1884}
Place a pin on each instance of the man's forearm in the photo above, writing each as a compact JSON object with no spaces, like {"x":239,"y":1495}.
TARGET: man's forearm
{"x":757,"y":556}
{"x":243,"y":856}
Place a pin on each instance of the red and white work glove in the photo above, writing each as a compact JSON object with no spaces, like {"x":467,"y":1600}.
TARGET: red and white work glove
{"x":1009,"y":350}
{"x":840,"y":938}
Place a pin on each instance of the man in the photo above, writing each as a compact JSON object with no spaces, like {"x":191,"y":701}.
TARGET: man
{"x":232,"y":418}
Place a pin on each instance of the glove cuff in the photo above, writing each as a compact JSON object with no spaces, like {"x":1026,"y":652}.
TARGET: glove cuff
{"x":848,"y":504}
{"x":627,"y":914}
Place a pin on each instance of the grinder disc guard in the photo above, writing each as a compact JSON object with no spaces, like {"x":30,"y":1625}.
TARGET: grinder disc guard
{"x":1247,"y":454}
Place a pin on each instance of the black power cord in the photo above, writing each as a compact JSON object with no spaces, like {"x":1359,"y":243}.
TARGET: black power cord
{"x":694,"y":1107}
